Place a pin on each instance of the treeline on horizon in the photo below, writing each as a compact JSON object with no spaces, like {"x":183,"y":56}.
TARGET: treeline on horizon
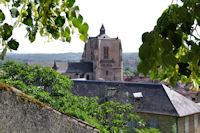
{"x":63,"y":57}
{"x":130,"y":60}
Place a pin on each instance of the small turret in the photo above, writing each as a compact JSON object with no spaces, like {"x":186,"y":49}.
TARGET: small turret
{"x":55,"y":66}
{"x":102,"y":30}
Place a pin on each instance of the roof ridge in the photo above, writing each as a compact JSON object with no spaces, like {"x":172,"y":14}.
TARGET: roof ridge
{"x":120,"y":82}
{"x":181,"y":104}
{"x":164,"y":87}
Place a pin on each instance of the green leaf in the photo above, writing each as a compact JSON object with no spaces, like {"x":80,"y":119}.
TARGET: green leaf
{"x":183,"y":69}
{"x":2,"y":16}
{"x":67,"y":30}
{"x":3,"y":53}
{"x":144,"y":36}
{"x":153,"y":75}
{"x":176,"y":39}
{"x":14,"y":12}
{"x":60,"y":21}
{"x":28,"y":21}
{"x":7,"y":31}
{"x":76,"y":23}
{"x":143,"y":67}
{"x":32,"y":35}
{"x":70,"y":3}
{"x":68,"y":38}
{"x":169,"y":59}
{"x":13,"y":44}
{"x":145,"y":51}
{"x":83,"y":29}
{"x":83,"y":38}
{"x":73,"y":13}
{"x":41,"y":32}
{"x":55,"y":35}
{"x":80,"y":19}
{"x":167,"y":45}
{"x":16,"y":3}
{"x":148,"y":37}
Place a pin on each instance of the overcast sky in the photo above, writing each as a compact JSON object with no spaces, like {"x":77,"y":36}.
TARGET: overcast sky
{"x":126,"y":19}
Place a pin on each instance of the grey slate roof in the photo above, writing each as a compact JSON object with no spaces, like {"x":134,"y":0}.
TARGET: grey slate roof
{"x":157,"y":98}
{"x":61,"y":66}
{"x":79,"y":67}
{"x":102,"y":34}
{"x":183,"y":105}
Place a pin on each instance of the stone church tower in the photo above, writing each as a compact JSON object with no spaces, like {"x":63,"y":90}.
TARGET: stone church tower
{"x":105,"y":54}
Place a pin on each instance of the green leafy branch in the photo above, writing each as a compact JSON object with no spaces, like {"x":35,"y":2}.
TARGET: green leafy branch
{"x":57,"y":19}
{"x":170,"y":52}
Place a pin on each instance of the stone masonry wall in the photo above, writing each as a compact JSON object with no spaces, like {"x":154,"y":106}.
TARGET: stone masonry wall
{"x":20,"y":113}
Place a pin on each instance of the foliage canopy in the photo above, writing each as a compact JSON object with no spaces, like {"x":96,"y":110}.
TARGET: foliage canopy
{"x":52,"y":18}
{"x":172,"y":49}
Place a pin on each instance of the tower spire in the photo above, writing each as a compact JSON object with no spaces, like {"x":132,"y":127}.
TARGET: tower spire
{"x":102,"y":30}
{"x":55,"y":66}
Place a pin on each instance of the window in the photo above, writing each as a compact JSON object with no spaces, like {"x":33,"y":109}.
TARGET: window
{"x":195,"y":123}
{"x":88,"y":77}
{"x":106,"y":73}
{"x":105,"y":49}
{"x":137,"y":96}
{"x":153,"y":122}
{"x":82,"y":75}
{"x":132,"y":125}
{"x":186,"y":124}
{"x":111,"y":91}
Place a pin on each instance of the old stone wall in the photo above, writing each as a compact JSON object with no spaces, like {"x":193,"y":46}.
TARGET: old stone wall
{"x":20,"y":113}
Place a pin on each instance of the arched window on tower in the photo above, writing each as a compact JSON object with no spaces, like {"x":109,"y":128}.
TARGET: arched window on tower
{"x":106,"y":73}
{"x":88,"y":77}
{"x":106,"y":52}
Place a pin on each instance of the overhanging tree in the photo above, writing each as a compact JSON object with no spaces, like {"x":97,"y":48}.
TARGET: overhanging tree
{"x":53,"y":18}
{"x":171,"y":51}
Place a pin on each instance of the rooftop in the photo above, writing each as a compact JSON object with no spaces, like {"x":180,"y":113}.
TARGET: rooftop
{"x":157,"y":98}
{"x":79,"y":67}
{"x":102,"y":34}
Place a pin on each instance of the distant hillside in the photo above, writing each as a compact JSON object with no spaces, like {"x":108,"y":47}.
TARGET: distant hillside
{"x":64,"y":57}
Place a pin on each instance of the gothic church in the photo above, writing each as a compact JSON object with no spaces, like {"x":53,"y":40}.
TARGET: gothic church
{"x":101,"y":59}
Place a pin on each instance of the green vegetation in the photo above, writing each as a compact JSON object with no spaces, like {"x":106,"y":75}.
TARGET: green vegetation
{"x":151,"y":130}
{"x":57,"y":19}
{"x":128,"y":70}
{"x":171,"y":50}
{"x":50,"y":87}
{"x":130,"y":62}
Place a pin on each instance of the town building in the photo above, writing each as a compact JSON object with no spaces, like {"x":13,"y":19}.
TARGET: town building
{"x":161,"y":107}
{"x":101,"y":59}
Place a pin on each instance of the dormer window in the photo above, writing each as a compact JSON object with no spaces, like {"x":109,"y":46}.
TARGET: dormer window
{"x":111,"y":91}
{"x":137,"y":96}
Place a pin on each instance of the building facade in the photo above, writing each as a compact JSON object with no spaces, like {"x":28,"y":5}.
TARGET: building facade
{"x":103,"y":56}
{"x":159,"y":106}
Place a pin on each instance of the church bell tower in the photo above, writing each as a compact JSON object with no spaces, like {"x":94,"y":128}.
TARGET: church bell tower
{"x":106,"y":55}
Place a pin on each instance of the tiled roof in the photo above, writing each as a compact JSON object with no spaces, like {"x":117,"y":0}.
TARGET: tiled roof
{"x":79,"y":67}
{"x":61,"y":66}
{"x":102,"y":35}
{"x":157,"y":98}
